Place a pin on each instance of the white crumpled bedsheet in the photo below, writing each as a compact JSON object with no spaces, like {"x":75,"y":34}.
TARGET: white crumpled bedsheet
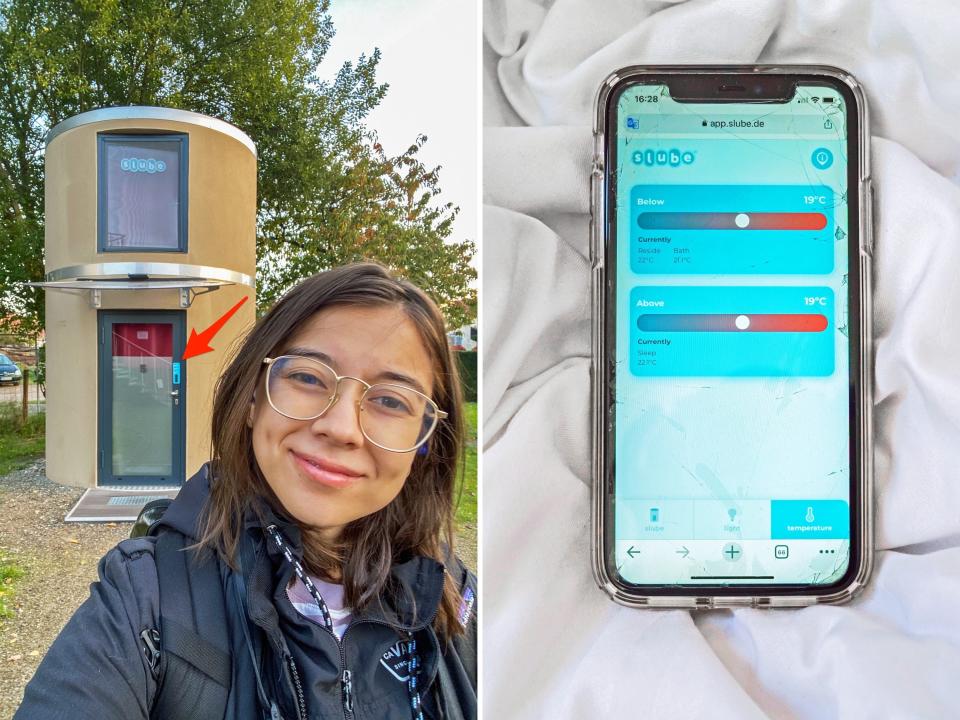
{"x":554,"y":645}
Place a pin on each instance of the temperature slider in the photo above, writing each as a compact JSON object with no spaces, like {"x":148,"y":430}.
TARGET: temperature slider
{"x":754,"y":322}
{"x":732,"y":331}
{"x":732,"y":221}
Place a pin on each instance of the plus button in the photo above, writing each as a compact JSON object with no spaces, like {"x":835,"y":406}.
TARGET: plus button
{"x":732,"y":552}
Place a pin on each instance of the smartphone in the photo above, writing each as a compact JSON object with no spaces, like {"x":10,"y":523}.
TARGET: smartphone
{"x":731,"y":246}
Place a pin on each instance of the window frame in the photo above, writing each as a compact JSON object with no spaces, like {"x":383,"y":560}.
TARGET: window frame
{"x":106,"y":138}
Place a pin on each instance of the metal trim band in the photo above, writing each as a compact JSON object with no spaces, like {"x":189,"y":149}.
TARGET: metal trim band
{"x":145,"y":112}
{"x":171,"y":271}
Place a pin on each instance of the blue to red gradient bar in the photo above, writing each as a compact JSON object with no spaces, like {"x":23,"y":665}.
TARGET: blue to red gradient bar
{"x":729,"y":322}
{"x":732,"y":221}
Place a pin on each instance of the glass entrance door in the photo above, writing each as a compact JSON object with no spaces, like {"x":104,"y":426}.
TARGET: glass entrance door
{"x":142,"y":398}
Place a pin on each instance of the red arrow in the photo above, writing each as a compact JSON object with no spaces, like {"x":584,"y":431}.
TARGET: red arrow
{"x":199,"y":343}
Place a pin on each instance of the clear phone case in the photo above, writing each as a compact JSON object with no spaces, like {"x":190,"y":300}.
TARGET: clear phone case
{"x":861,"y":381}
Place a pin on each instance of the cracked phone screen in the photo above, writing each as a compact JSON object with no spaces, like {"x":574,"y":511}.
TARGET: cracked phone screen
{"x":732,"y":351}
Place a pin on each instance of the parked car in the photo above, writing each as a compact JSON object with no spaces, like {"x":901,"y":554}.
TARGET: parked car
{"x":9,"y":372}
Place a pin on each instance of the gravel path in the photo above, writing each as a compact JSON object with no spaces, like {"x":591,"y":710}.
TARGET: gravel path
{"x":59,"y":561}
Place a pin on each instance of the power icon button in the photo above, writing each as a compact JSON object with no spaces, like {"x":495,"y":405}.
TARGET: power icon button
{"x":821,"y":158}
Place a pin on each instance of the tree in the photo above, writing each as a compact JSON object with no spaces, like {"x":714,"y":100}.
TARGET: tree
{"x":327,"y":191}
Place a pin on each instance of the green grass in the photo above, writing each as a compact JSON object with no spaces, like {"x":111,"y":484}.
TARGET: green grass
{"x":466,"y":510}
{"x":8,"y":573}
{"x":20,"y":443}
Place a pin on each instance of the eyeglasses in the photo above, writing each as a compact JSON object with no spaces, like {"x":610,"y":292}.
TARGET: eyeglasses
{"x":392,"y":417}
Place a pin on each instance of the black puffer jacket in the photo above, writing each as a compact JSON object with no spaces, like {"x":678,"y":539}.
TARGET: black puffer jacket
{"x":96,"y":667}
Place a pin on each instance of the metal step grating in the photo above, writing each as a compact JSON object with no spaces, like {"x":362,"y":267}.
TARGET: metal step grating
{"x":141,"y":488}
{"x":112,"y":505}
{"x":140,"y":500}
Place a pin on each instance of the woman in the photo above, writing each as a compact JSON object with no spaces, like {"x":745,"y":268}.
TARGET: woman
{"x":327,"y":510}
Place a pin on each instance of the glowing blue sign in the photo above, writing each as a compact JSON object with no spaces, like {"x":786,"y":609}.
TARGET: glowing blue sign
{"x":147,"y":165}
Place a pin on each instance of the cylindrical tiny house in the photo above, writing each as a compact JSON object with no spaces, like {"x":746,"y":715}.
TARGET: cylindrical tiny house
{"x":150,"y":233}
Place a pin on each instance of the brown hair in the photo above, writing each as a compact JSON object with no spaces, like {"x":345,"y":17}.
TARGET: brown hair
{"x":419,"y":521}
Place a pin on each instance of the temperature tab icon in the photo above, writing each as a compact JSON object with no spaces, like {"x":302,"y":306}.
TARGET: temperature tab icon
{"x":737,"y":229}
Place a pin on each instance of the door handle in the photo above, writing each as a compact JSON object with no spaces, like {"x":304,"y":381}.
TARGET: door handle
{"x":175,"y":394}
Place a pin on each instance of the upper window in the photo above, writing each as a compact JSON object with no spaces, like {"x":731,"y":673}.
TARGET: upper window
{"x":142,"y":193}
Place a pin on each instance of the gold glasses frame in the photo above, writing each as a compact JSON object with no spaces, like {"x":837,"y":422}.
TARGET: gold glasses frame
{"x":438,"y":413}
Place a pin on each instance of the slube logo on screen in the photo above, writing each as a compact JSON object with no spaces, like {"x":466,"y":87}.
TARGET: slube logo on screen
{"x":671,"y":158}
{"x":147,"y":165}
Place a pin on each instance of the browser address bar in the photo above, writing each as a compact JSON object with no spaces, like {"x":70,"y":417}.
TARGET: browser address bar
{"x":673,"y":123}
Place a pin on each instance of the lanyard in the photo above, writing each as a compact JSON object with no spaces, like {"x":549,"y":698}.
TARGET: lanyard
{"x":304,"y":578}
{"x":409,"y":647}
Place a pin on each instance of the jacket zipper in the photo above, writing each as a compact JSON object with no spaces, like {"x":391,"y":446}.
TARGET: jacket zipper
{"x":346,"y":685}
{"x":347,"y":695}
{"x":346,"y":677}
{"x":301,"y":703}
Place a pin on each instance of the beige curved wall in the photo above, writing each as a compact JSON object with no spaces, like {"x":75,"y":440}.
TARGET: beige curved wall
{"x":221,"y":230}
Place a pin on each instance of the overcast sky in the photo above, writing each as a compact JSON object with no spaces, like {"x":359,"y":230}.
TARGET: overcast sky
{"x":429,"y":57}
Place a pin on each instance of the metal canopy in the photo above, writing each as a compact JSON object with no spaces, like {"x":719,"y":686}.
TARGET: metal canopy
{"x":97,"y":277}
